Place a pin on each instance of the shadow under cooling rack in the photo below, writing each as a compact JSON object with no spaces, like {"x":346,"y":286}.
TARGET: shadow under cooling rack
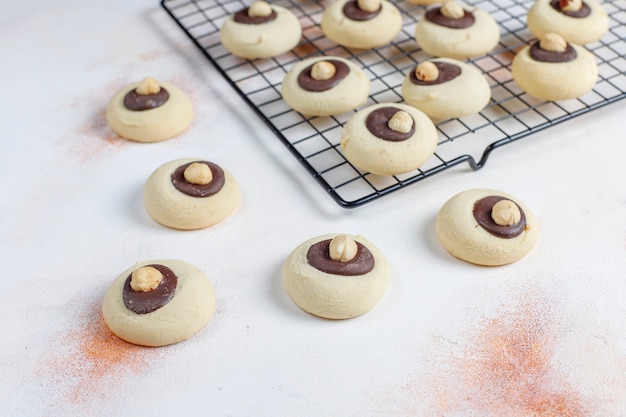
{"x":314,"y":141}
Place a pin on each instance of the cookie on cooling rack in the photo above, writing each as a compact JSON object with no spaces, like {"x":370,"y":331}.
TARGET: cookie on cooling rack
{"x":445,"y":88}
{"x":577,"y":21}
{"x":487,"y":227}
{"x":552,"y":69}
{"x":454,"y":31}
{"x":361,"y":24}
{"x":388,"y":139}
{"x":261,"y":31}
{"x":325,"y":86}
{"x":149,"y":111}
{"x":336,"y":276}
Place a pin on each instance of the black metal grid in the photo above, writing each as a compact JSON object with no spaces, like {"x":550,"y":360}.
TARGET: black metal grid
{"x":314,"y":141}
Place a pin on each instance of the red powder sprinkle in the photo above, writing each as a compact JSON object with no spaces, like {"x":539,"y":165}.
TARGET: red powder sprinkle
{"x":89,"y":362}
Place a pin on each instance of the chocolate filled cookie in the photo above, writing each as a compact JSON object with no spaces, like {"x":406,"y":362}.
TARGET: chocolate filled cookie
{"x":158,"y":302}
{"x":336,"y":276}
{"x":190,"y":194}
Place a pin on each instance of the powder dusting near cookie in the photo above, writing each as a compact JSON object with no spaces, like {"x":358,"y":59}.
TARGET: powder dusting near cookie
{"x":89,"y":366}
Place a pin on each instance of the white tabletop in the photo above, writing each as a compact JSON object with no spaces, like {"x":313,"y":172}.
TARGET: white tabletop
{"x":544,"y":336}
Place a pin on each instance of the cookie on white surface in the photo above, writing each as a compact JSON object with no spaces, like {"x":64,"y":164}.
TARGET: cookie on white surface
{"x":577,"y":21}
{"x":487,"y":227}
{"x":361,"y":24}
{"x":552,"y":69}
{"x":445,"y":88}
{"x":336,"y":276}
{"x":261,"y":31}
{"x":388,"y":139}
{"x":190,"y":194}
{"x":159,"y":302}
{"x":149,"y":111}
{"x":454,"y":31}
{"x":325,"y":86}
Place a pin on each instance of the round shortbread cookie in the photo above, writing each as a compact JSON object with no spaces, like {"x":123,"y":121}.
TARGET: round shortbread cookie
{"x":343,"y":95}
{"x":456,"y":92}
{"x":477,"y":39}
{"x":546,"y":16}
{"x":153,"y":124}
{"x":555,"y":80}
{"x":336,"y":289}
{"x":199,"y":205}
{"x":467,"y":229}
{"x":131,"y":314}
{"x":374,"y":29}
{"x":381,"y":153}
{"x":246,"y":39}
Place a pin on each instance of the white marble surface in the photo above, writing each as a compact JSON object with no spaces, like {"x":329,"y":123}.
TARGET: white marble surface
{"x":545,"y":336}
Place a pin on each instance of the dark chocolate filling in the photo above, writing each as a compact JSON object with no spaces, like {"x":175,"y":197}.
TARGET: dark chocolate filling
{"x":198,"y":190}
{"x":377,"y":123}
{"x":447,"y":72}
{"x":353,"y":12}
{"x":308,"y":83}
{"x":542,"y":55}
{"x":482,"y":214}
{"x":141,"y":302}
{"x":139,"y":102}
{"x":242,"y":16}
{"x":318,"y":256}
{"x":584,"y":10}
{"x":435,"y":16}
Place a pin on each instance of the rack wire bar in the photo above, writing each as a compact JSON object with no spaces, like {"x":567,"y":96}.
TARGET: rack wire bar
{"x":314,"y":141}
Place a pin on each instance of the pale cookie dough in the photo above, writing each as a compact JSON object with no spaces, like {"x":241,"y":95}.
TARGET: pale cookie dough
{"x":269,"y":31}
{"x":380,"y":23}
{"x":154,"y":124}
{"x":191,"y":306}
{"x":555,"y":80}
{"x":515,"y":231}
{"x":445,"y":88}
{"x":215,"y":194}
{"x":349,"y":278}
{"x":330,"y":94}
{"x":423,"y":1}
{"x":479,"y":38}
{"x":547,"y":16}
{"x":405,"y":138}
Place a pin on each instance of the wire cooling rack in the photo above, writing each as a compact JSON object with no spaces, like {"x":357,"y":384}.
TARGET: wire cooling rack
{"x":314,"y":141}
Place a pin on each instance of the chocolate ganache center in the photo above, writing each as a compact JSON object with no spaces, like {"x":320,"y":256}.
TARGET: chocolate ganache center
{"x":318,"y":256}
{"x":139,"y":102}
{"x":242,"y":16}
{"x":308,"y":83}
{"x":482,"y":214}
{"x":541,"y":55}
{"x":447,"y":72}
{"x":353,"y":12}
{"x":198,"y":190}
{"x":435,"y":16}
{"x":584,"y":10}
{"x":377,"y":122}
{"x":144,"y":302}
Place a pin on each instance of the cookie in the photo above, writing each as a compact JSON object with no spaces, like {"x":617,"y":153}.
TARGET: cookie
{"x":388,"y":139}
{"x":552,"y":69}
{"x":455,"y":32}
{"x":361,"y":24}
{"x":157,"y":303}
{"x":261,"y":31}
{"x":190,"y":194}
{"x":445,"y":88}
{"x":336,"y":276}
{"x":325,"y":86}
{"x":487,"y":227}
{"x":149,"y":111}
{"x":578,"y":22}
